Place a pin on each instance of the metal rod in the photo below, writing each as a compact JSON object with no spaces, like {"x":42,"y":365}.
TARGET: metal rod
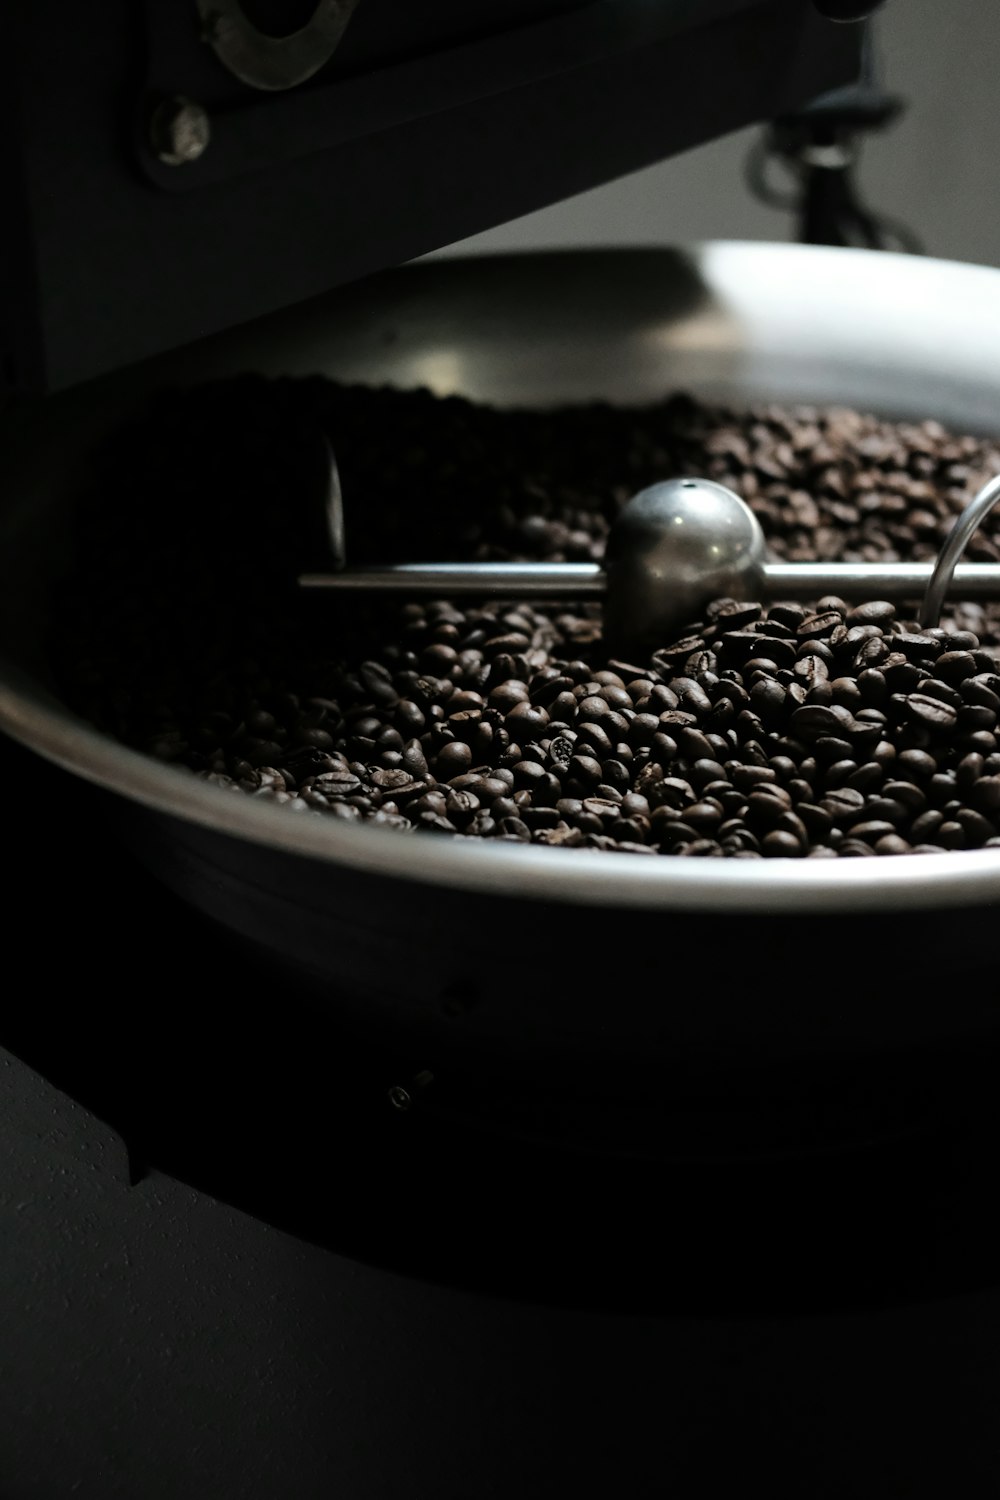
{"x":515,"y":580}
{"x":893,"y":581}
{"x":520,"y":580}
{"x":958,"y":539}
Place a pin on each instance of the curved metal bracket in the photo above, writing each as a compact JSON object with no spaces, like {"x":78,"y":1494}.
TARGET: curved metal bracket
{"x":959,"y":537}
{"x":273,"y":62}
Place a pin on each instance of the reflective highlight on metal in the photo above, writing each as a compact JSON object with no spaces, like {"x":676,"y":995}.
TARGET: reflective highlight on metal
{"x":674,"y":547}
{"x":180,"y":131}
{"x":273,"y":62}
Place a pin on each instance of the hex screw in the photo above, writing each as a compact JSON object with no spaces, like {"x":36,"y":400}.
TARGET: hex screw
{"x":180,"y":131}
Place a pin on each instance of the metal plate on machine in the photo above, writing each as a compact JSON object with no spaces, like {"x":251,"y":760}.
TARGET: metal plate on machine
{"x":382,"y":74}
{"x":276,"y":62}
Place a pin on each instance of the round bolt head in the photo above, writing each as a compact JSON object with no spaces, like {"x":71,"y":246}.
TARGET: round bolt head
{"x":180,"y":131}
{"x":673,"y":549}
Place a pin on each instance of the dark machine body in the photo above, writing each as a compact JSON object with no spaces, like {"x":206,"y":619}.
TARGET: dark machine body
{"x":256,"y":1246}
{"x":427,"y":124}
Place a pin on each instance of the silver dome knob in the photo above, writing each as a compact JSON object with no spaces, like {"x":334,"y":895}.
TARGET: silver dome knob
{"x":673,"y":548}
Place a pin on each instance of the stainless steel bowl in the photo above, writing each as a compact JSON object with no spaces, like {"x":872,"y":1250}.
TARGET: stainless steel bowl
{"x":362,"y":908}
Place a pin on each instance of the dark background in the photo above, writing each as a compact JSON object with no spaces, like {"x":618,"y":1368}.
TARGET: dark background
{"x":224,"y":1259}
{"x":936,"y":169}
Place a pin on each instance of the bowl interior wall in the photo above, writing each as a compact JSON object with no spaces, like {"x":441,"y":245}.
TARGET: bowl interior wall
{"x":903,"y":337}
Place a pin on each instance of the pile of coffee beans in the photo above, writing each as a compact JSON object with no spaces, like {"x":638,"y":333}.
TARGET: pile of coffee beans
{"x":766,"y":730}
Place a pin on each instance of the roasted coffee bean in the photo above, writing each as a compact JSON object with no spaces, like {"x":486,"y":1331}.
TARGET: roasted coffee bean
{"x":787,"y":615}
{"x":978,"y":828}
{"x":453,"y":759}
{"x":734,"y":615}
{"x":767,"y":699}
{"x":814,"y":720}
{"x":669,"y":659}
{"x":839,"y":773}
{"x":527,"y":719}
{"x":733,"y":692}
{"x":901,"y":676}
{"x":616,"y":726}
{"x":781,"y":844}
{"x":892,"y":843}
{"x":704,"y":816}
{"x":846,"y":694}
{"x":747,"y":778}
{"x":506,"y":694}
{"x":925,"y":826}
{"x":527,"y":773}
{"x":666,"y":826}
{"x":858,"y":635}
{"x":985,"y":795}
{"x":562,"y":747}
{"x":592,"y":709}
{"x":955,"y":666}
{"x":721,"y":716}
{"x":828,"y":749}
{"x":974,"y":718}
{"x":932,"y":687}
{"x":764,"y":811}
{"x":814,"y":648}
{"x":811,"y":670}
{"x":916,"y":646}
{"x":873,"y":612}
{"x":505,"y":705}
{"x":777,"y":649}
{"x":669,"y":792}
{"x":817,"y":820}
{"x":585,"y":769}
{"x":741,"y":646}
{"x":871,"y":654}
{"x":924,"y":710}
{"x":982,"y":741}
{"x":594,"y":739}
{"x":907,"y":794}
{"x":969,"y":770}
{"x":694,"y":745}
{"x":560,"y":837}
{"x":872,"y":829}
{"x":704,"y":772}
{"x":692,"y":696}
{"x":816,"y":625}
{"x":721,"y":744}
{"x":916,"y":765}
{"x":616,"y":774}
{"x":942,"y":788}
{"x":844,"y":804}
{"x":983,"y":689}
{"x":608,"y":793}
{"x":643,"y":728}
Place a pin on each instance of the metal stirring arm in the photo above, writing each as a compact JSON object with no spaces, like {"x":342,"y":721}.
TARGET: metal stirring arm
{"x":587,"y":581}
{"x":675,"y":547}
